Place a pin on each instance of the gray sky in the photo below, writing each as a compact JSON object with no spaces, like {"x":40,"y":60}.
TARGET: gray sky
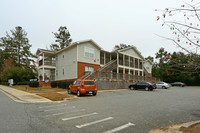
{"x":107,"y":22}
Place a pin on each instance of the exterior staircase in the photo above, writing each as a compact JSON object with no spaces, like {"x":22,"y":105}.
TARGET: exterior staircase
{"x":106,"y":68}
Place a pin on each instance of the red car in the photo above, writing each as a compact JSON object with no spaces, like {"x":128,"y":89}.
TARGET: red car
{"x":82,"y":87}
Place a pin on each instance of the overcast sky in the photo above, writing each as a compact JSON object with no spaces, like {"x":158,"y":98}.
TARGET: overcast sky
{"x":107,"y":22}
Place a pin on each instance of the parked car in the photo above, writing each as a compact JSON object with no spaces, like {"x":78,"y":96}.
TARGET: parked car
{"x":142,"y":85}
{"x":178,"y":84}
{"x":82,"y":87}
{"x":162,"y":85}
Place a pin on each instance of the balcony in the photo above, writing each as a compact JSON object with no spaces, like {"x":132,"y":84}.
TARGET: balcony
{"x":47,"y":62}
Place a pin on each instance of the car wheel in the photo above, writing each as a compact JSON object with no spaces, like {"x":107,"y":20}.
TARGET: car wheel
{"x":69,"y":91}
{"x":78,"y":93}
{"x":151,"y":89}
{"x":132,"y":88}
{"x":94,"y":94}
{"x":146,"y":89}
{"x":164,"y":87}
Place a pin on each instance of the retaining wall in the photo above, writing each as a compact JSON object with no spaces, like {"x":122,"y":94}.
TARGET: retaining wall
{"x":104,"y":84}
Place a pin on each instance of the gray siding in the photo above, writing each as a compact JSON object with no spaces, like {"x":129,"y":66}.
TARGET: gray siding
{"x":69,"y":63}
{"x":132,"y":53}
{"x":81,"y":54}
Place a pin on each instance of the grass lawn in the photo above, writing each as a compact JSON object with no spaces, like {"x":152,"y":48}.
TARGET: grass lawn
{"x":54,"y":94}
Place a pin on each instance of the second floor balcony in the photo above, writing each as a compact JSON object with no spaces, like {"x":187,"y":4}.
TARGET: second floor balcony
{"x":47,"y":62}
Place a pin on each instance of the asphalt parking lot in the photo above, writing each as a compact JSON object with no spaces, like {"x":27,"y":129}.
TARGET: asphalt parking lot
{"x":124,"y":111}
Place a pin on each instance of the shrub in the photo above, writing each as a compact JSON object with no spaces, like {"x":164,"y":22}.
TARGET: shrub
{"x":54,"y":84}
{"x":69,"y":83}
{"x":33,"y":84}
{"x":18,"y":74}
{"x":4,"y":83}
{"x":23,"y":83}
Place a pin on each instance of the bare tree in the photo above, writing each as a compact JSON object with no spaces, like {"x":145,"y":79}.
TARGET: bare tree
{"x":184,"y":23}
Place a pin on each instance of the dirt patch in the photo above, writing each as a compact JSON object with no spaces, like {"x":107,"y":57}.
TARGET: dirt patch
{"x":175,"y":129}
{"x":193,"y":129}
{"x":54,"y":94}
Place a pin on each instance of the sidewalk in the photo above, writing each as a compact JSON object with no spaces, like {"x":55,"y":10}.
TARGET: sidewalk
{"x":21,"y":96}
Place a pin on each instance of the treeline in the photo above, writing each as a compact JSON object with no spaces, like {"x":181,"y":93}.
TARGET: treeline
{"x":16,"y":60}
{"x":177,"y":66}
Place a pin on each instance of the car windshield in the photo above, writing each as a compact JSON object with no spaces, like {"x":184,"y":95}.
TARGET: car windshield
{"x":149,"y":83}
{"x":88,"y":82}
{"x":77,"y":82}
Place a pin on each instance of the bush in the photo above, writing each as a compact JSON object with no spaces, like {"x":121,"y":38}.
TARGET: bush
{"x":54,"y":84}
{"x":4,"y":83}
{"x":33,"y":84}
{"x":18,"y":74}
{"x":61,"y":84}
{"x":69,"y":83}
{"x":23,"y":83}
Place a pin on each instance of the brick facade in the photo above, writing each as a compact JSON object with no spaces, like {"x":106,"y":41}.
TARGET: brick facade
{"x":81,"y":68}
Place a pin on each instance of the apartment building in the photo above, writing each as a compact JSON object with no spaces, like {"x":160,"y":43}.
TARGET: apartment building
{"x":83,"y":57}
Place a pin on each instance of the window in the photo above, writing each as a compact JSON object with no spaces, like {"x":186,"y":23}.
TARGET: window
{"x":56,"y":72}
{"x":63,"y":55}
{"x":89,"y":69}
{"x":63,"y":71}
{"x":88,"y":82}
{"x":77,"y":82}
{"x":89,"y":52}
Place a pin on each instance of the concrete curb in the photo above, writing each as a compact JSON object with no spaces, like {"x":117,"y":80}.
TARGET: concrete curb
{"x":21,"y":96}
{"x":188,"y":125}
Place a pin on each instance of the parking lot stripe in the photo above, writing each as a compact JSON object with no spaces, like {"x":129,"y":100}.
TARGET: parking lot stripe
{"x":94,"y":122}
{"x":66,"y":112}
{"x":52,"y":106}
{"x":80,"y":116}
{"x":55,"y":109}
{"x":120,"y":128}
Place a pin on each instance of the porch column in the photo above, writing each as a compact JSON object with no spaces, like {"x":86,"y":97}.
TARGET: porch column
{"x":129,"y":72}
{"x":124,"y":73}
{"x":123,"y":60}
{"x":117,"y":62}
{"x":42,"y":66}
{"x":134,"y":63}
{"x":104,"y":58}
{"x":129,"y":59}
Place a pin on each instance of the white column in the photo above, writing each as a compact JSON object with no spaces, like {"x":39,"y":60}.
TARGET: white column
{"x":123,"y":60}
{"x":42,"y":66}
{"x":138,"y":63}
{"x":104,"y":58}
{"x":129,"y":59}
{"x":117,"y":62}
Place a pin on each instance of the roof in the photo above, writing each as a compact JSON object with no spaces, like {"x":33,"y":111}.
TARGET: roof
{"x":149,"y":61}
{"x":80,"y":42}
{"x":131,"y":47}
{"x":45,"y":51}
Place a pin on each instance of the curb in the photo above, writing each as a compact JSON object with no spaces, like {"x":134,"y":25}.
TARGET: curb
{"x":188,"y":125}
{"x":21,"y":100}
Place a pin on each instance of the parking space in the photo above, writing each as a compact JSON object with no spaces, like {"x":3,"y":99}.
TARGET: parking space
{"x":78,"y":119}
{"x":124,"y":110}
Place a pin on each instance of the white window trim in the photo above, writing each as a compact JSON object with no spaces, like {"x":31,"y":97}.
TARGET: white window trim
{"x":90,"y":49}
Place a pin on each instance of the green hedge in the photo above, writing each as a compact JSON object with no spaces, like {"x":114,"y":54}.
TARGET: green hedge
{"x":4,"y":83}
{"x":61,"y":84}
{"x":33,"y":84}
{"x":23,"y":83}
{"x":54,"y":84}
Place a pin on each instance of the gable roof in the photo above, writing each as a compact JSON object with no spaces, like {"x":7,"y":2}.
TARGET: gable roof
{"x":45,"y":51}
{"x":78,"y":43}
{"x":149,"y":61}
{"x":131,"y":47}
